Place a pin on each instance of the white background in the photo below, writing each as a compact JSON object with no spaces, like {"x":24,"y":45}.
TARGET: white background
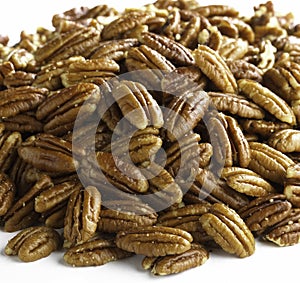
{"x":268,"y":264}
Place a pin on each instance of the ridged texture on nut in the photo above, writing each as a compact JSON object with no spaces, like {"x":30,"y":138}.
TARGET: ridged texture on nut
{"x":154,"y":240}
{"x":228,"y":230}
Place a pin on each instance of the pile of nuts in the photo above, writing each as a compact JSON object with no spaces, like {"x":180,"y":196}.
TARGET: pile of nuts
{"x":168,"y":131}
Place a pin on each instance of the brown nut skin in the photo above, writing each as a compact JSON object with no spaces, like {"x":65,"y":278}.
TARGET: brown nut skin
{"x":7,"y":193}
{"x":34,"y":243}
{"x":154,"y":240}
{"x":228,"y":230}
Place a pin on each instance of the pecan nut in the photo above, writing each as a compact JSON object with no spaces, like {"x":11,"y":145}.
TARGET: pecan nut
{"x":228,"y":230}
{"x":7,"y":193}
{"x":154,"y":240}
{"x":285,"y":140}
{"x":34,"y":243}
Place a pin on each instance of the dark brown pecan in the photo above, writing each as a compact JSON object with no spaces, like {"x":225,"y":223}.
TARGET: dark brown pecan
{"x":121,"y":215}
{"x":184,"y":112}
{"x":268,"y":100}
{"x":114,"y":49}
{"x":242,"y":69}
{"x":21,"y":99}
{"x":239,"y":144}
{"x":34,"y":243}
{"x":48,"y":153}
{"x":172,"y":264}
{"x":137,"y":105}
{"x":284,"y":80}
{"x":94,"y":253}
{"x":49,"y":75}
{"x":236,"y":105}
{"x":215,"y":68}
{"x":246,"y":181}
{"x":152,"y":64}
{"x":286,"y":232}
{"x":59,"y":111}
{"x":207,"y":187}
{"x":68,"y":44}
{"x":264,"y":212}
{"x":82,"y":216}
{"x":54,"y":218}
{"x":141,"y":146}
{"x":163,"y":190}
{"x":89,"y":71}
{"x":7,"y":193}
{"x":21,"y":214}
{"x":262,"y":128}
{"x":154,"y":240}
{"x":285,"y":140}
{"x":180,"y":80}
{"x":268,"y":162}
{"x":23,"y":123}
{"x":55,"y":195}
{"x":228,"y":230}
{"x":124,"y":23}
{"x":9,"y":143}
{"x":172,"y":50}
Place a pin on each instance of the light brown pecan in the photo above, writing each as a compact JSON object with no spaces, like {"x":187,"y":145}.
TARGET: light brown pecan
{"x":215,"y":68}
{"x":268,"y":162}
{"x":217,"y":10}
{"x":18,"y":79}
{"x":137,"y":105}
{"x":186,"y":218}
{"x":89,"y":71}
{"x":228,"y":230}
{"x":83,"y":14}
{"x":82,"y":216}
{"x":114,"y":49}
{"x":233,"y":49}
{"x":285,"y":140}
{"x":21,"y":214}
{"x":121,"y":215}
{"x":172,"y":50}
{"x":267,"y":100}
{"x":124,"y":23}
{"x":21,"y":99}
{"x":7,"y":193}
{"x":184,"y":112}
{"x":286,"y":232}
{"x":55,"y":195}
{"x":262,"y":128}
{"x":9,"y":143}
{"x":23,"y":123}
{"x":284,"y":80}
{"x":264,"y":212}
{"x":295,"y":105}
{"x":68,"y":44}
{"x":142,"y":145}
{"x":59,"y":111}
{"x":34,"y":243}
{"x":154,"y":240}
{"x":48,"y":153}
{"x":241,"y":69}
{"x":246,"y":181}
{"x":152,"y":64}
{"x":236,"y":105}
{"x":172,"y":264}
{"x":211,"y":37}
{"x":49,"y":75}
{"x":94,"y":253}
{"x":292,"y":184}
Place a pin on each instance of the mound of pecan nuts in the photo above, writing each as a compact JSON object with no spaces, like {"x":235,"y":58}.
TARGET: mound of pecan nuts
{"x":198,"y":114}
